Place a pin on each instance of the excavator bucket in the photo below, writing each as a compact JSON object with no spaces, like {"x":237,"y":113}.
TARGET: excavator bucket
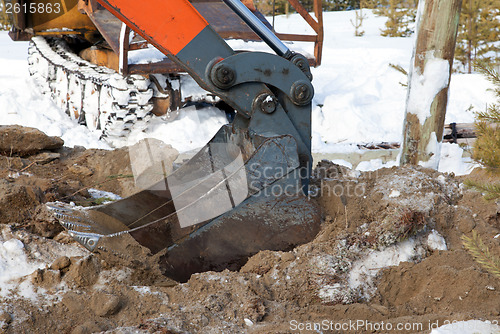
{"x":246,"y":190}
{"x":240,"y":194}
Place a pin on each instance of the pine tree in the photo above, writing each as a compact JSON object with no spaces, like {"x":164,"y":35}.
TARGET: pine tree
{"x":282,"y":6}
{"x":487,"y":145}
{"x":487,"y":152}
{"x":369,"y":4}
{"x":266,"y":6}
{"x":401,"y":14}
{"x":478,"y":33}
{"x":358,"y":22}
{"x":340,"y":5}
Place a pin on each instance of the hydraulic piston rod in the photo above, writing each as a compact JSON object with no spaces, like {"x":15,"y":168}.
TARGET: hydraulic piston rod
{"x":259,"y":28}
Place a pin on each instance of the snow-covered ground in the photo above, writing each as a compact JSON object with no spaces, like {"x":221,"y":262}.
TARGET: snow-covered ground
{"x":21,"y":102}
{"x":358,"y":98}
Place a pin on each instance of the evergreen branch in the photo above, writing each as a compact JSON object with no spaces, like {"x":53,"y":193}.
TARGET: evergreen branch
{"x":491,"y":115}
{"x":398,"y":68}
{"x":495,"y":108}
{"x":487,"y":145}
{"x":481,"y":254}
{"x":490,"y":74}
{"x":496,"y":91}
{"x":490,"y":191}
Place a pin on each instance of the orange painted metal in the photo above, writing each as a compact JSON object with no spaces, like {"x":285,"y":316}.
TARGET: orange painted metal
{"x":168,"y":24}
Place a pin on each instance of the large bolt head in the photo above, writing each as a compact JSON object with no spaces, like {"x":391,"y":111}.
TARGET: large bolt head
{"x":303,"y":64}
{"x":223,"y":76}
{"x":301,"y":92}
{"x":266,"y":103}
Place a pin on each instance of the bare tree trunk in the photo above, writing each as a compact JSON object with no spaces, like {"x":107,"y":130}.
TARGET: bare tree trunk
{"x":428,"y":81}
{"x":469,"y":42}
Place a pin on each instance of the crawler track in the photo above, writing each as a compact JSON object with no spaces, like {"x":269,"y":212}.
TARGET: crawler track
{"x":94,"y":95}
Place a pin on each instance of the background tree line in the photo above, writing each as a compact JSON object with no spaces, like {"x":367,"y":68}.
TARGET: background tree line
{"x":479,"y":30}
{"x":282,"y":6}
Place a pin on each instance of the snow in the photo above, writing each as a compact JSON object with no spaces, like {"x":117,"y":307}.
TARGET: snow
{"x":21,"y":103}
{"x":144,"y":56}
{"x":108,"y":276}
{"x":425,"y":86}
{"x":342,"y":162}
{"x":434,"y":150}
{"x":151,"y":54}
{"x":358,"y":96}
{"x":142,"y":289}
{"x":13,"y":245}
{"x":13,"y":260}
{"x":190,"y":131}
{"x":96,"y":193}
{"x":20,"y":259}
{"x":14,"y":264}
{"x":435,"y":241}
{"x":248,"y":322}
{"x":362,"y":270}
{"x":365,"y":270}
{"x":451,"y":161}
{"x":395,"y":193}
{"x":468,"y":327}
{"x":374,"y":164}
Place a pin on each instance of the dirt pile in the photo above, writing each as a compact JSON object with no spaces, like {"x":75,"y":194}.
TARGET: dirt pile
{"x":32,"y":177}
{"x":19,"y":140}
{"x":389,"y":251}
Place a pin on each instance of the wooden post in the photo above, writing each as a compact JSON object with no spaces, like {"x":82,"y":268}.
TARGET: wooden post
{"x":124,"y":48}
{"x":318,"y":45}
{"x":428,"y":81}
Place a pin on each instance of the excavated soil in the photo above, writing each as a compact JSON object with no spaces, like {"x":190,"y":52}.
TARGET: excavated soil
{"x":389,"y":254}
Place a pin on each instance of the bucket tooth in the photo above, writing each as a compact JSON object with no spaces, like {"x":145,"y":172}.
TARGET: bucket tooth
{"x":88,"y":240}
{"x":74,"y":226}
{"x":68,"y":219}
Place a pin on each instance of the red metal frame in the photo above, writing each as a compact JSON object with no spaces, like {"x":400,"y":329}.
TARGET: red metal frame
{"x":315,"y":24}
{"x":123,"y":46}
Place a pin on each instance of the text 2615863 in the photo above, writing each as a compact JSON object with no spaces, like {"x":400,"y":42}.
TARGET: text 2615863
{"x":33,"y":7}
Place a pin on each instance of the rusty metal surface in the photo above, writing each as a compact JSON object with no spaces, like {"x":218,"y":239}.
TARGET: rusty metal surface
{"x":163,"y":67}
{"x":224,"y":21}
{"x":100,"y":57}
{"x":53,"y":22}
{"x":18,"y":35}
{"x":109,"y":26}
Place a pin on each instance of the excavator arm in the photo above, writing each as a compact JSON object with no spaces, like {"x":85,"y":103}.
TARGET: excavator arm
{"x":246,"y":190}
